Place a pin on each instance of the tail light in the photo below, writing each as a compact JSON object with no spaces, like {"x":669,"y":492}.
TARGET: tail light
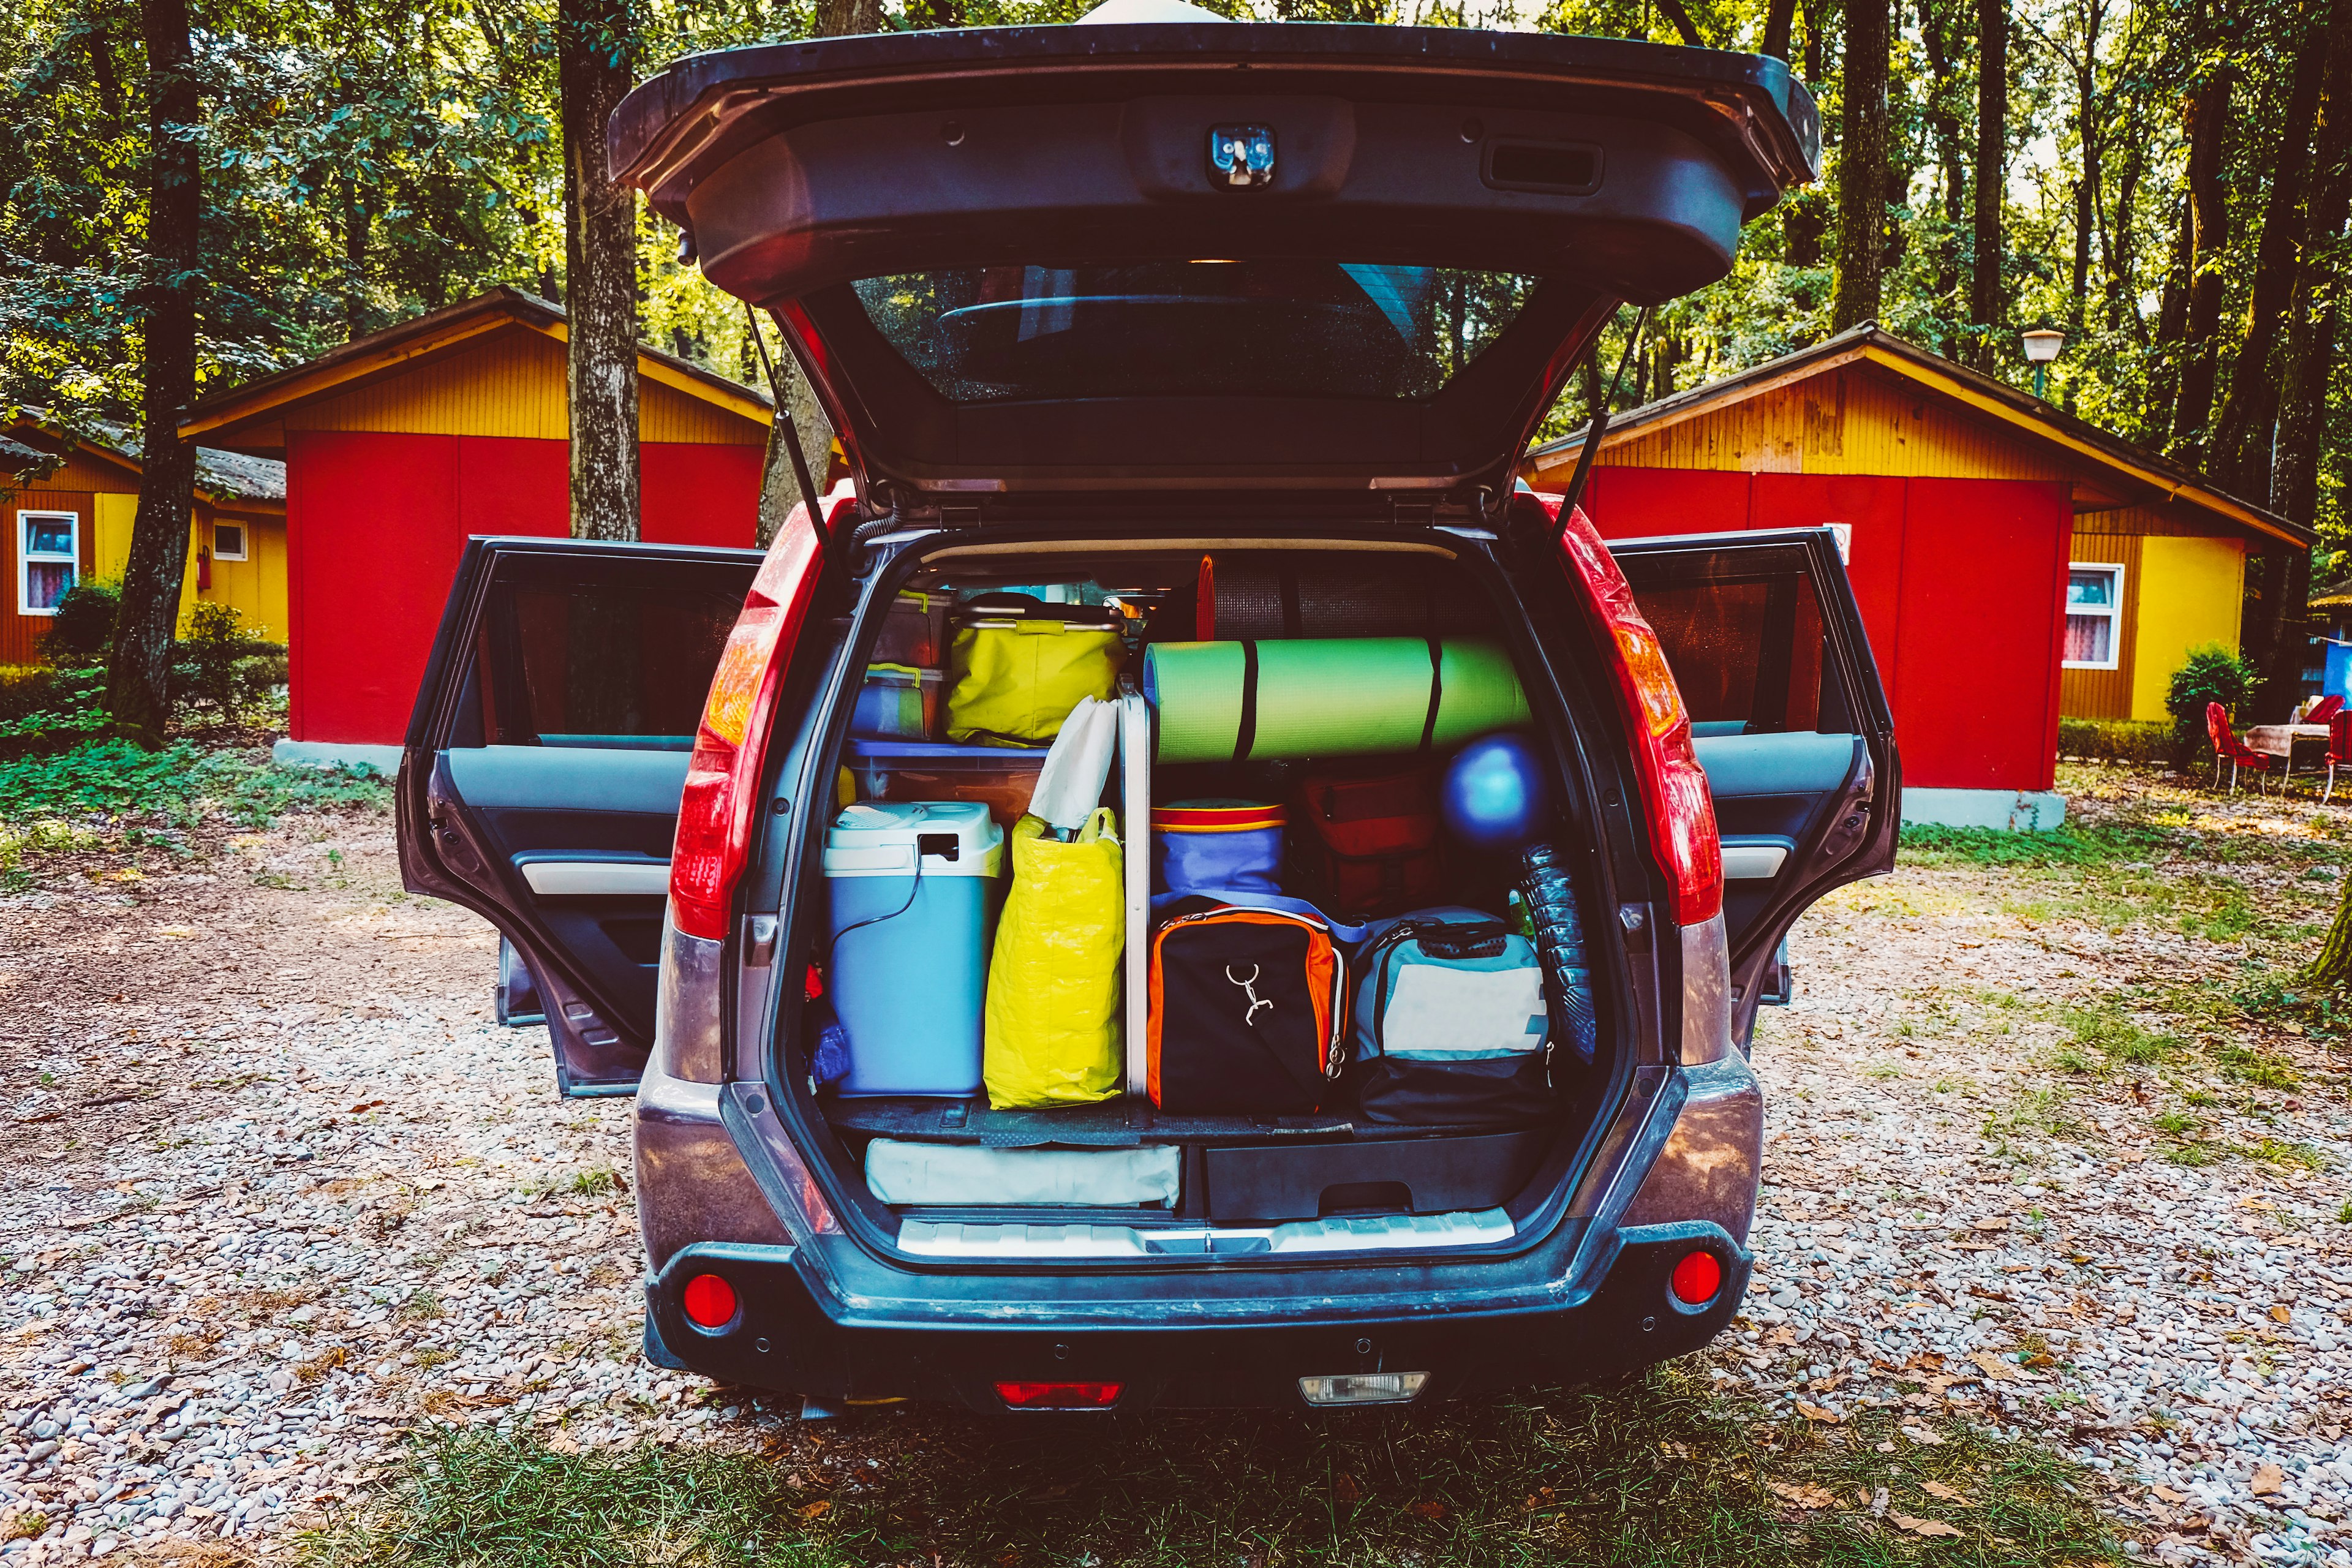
{"x":708,"y":1301}
{"x":1059,"y":1395}
{"x":1697,"y":1279}
{"x":1674,"y":786}
{"x":722,"y":777}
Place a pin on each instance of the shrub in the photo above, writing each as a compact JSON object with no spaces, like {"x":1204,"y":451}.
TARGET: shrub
{"x":42,"y":708}
{"x":2118,"y":739}
{"x":83,"y":629}
{"x":222,"y":668}
{"x":2211,"y":674}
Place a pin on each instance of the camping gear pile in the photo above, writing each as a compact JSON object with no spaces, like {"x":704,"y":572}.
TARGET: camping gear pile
{"x":1360,"y":914}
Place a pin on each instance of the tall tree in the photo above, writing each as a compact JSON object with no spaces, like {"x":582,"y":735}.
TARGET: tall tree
{"x":2205,"y":236}
{"x":1940,"y":32}
{"x":138,"y":678}
{"x":595,"y":48}
{"x":1862,"y":163}
{"x":2240,"y":449}
{"x":1991,"y":178}
{"x":2308,"y":364}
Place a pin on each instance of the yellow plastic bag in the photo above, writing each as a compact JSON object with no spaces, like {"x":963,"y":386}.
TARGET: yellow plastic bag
{"x":1053,"y":1013}
{"x":1013,"y":678}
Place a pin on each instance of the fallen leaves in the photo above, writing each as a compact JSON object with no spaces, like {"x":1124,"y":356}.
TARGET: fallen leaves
{"x":816,"y":1511}
{"x":1938,"y":1489}
{"x":1428,"y":1508}
{"x":1802,"y":1496}
{"x":1995,"y":1367}
{"x":1924,"y":1436}
{"x":1989,"y":1225}
{"x":1923,"y":1526}
{"x":1815,"y":1413}
{"x":1344,"y":1488}
{"x":2267,"y":1480}
{"x":2282,"y":1313}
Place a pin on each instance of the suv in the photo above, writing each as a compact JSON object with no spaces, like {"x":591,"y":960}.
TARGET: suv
{"x":1088,"y":306}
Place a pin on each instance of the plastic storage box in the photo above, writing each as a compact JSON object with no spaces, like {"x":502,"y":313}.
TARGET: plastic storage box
{"x":1002,"y":777}
{"x":908,"y":952}
{"x":897,"y":703}
{"x":915,"y":629}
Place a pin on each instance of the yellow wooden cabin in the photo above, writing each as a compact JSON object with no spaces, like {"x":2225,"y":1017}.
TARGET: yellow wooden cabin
{"x":69,"y":503}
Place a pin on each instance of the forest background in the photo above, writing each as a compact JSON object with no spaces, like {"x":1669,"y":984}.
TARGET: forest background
{"x":201,"y":191}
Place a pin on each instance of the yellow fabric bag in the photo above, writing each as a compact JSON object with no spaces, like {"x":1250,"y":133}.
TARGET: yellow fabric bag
{"x":1016,"y":667}
{"x":1053,"y":1012}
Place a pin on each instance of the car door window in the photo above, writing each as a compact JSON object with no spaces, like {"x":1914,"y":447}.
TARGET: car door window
{"x":595,"y":661}
{"x":1745,"y":648}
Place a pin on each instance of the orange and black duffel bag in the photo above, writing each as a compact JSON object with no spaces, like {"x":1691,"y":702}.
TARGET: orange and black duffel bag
{"x":1248,"y":1008}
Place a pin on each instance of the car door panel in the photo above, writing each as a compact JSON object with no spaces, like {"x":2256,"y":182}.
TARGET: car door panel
{"x":1791,"y":724}
{"x":542,"y":776}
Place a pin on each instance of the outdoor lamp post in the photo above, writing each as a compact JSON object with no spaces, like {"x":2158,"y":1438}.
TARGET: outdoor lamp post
{"x":2042,"y":346}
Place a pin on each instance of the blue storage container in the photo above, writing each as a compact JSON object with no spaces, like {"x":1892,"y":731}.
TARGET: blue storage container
{"x":912,"y":889}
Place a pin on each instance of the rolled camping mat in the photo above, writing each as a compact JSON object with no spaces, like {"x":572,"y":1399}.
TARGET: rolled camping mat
{"x":1278,"y":595}
{"x":1328,"y":696}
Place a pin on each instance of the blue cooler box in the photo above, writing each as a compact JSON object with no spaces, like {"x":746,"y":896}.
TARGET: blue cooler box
{"x":907,"y":963}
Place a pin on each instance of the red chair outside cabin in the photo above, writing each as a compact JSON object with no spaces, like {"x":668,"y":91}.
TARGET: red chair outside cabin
{"x":2228,"y":748}
{"x":2339,"y":748}
{"x":2323,"y":710}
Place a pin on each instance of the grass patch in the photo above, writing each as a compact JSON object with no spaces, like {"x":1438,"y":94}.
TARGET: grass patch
{"x":1656,"y":1472}
{"x":179,"y":785}
{"x":2262,"y":1068}
{"x":2116,"y":1036}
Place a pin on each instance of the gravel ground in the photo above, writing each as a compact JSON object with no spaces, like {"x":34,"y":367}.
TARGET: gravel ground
{"x":275,"y":1191}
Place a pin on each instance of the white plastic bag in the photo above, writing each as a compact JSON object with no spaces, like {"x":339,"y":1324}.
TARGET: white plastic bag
{"x":1070,"y":785}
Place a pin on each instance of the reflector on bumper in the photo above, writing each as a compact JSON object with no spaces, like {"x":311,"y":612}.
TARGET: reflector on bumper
{"x":1363,"y":1388}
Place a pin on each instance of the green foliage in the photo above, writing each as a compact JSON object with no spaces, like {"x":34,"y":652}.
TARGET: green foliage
{"x":43,"y":708}
{"x":2069,"y":845}
{"x":2210,"y":674}
{"x":222,"y":670}
{"x":83,"y":629}
{"x":177,"y":787}
{"x":2135,"y":741}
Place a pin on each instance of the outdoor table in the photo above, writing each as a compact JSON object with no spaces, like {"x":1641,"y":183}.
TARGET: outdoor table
{"x":2278,"y":741}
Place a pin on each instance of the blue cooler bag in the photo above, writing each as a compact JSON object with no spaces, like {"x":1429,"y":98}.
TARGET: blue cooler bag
{"x":1450,"y":1016}
{"x":1220,"y":848}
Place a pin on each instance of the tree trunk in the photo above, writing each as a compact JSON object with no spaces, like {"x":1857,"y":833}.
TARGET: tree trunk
{"x":2206,"y":122}
{"x":1861,"y":164}
{"x":139,"y":675}
{"x":2307,"y":366}
{"x":1991,"y":178}
{"x":1780,"y":20}
{"x":1945,"y":125}
{"x":595,"y":44}
{"x":1684,"y":28}
{"x":2241,"y":446}
{"x":2333,"y":968}
{"x":836,"y":17}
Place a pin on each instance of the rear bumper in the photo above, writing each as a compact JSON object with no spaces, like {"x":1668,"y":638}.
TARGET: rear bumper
{"x":783,"y":1338}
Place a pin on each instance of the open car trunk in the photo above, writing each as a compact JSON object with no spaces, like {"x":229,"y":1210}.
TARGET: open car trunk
{"x":1128,"y":1174}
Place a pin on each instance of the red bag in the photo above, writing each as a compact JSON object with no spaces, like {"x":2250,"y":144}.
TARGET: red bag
{"x":1364,"y":845}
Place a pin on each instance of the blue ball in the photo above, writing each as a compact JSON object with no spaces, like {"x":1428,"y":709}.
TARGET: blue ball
{"x":1496,"y":797}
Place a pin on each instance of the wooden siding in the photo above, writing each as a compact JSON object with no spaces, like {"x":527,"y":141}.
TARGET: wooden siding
{"x":2105,"y":694}
{"x":511,"y":383}
{"x":20,"y":635}
{"x":1856,"y":419}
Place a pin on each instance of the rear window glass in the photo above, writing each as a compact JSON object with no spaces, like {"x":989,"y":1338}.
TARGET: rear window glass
{"x":1206,"y":328}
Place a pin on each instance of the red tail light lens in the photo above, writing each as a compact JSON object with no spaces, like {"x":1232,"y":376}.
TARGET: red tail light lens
{"x":1674,"y":786}
{"x":722,"y":777}
{"x":708,"y":1301}
{"x":1696,"y":1279}
{"x":1059,"y":1395}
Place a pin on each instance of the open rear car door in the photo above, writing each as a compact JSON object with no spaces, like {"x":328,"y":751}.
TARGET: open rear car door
{"x":541,"y":776}
{"x":1788,"y":719}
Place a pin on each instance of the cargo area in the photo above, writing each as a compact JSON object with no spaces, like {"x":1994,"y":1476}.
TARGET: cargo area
{"x":1302,"y":964}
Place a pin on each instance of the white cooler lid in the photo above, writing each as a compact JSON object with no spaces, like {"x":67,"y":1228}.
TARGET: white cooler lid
{"x":878,"y":838}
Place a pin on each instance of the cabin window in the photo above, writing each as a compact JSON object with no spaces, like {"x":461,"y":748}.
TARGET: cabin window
{"x":228,"y":541}
{"x":2094,"y":609}
{"x":47,"y":553}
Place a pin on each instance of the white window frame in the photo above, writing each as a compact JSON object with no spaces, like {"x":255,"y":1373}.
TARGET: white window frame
{"x":2114,"y":613}
{"x":242,"y":541}
{"x":71,"y":559}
